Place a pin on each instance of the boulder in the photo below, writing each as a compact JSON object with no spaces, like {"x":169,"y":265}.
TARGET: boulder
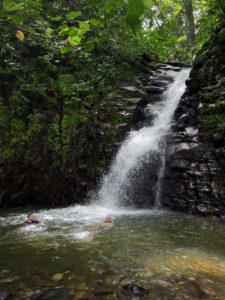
{"x":185,"y":121}
{"x":133,"y":89}
{"x":192,"y":131}
{"x":193,"y":85}
{"x":154,"y":89}
{"x":165,"y":77}
{"x":179,"y":164}
{"x":159,"y":83}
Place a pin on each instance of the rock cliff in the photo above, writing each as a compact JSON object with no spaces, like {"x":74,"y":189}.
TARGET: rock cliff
{"x":194,"y":180}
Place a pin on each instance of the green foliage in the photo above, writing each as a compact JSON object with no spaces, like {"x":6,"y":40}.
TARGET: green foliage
{"x":213,"y":120}
{"x":54,"y":81}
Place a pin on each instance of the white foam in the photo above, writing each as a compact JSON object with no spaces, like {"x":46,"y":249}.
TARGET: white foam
{"x":140,"y":143}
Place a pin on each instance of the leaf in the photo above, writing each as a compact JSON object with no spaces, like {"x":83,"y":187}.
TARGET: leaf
{"x":96,"y":40}
{"x":56,"y":18}
{"x":95,"y":22}
{"x":120,"y":4}
{"x":74,"y":14}
{"x":109,"y":5}
{"x":17,"y":19}
{"x":182,"y":38}
{"x":74,"y":40}
{"x":64,"y":50}
{"x":7,"y":4}
{"x":20,"y":35}
{"x":92,"y":3}
{"x":49,"y":31}
{"x":63,"y":29}
{"x":72,"y":31}
{"x":84,"y":26}
{"x":89,"y":46}
{"x":133,"y":20}
{"x":136,"y":7}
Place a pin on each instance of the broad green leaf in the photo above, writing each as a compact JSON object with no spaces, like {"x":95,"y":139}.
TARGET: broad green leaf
{"x":49,"y":31}
{"x":8,"y":4}
{"x":94,"y":22}
{"x":89,"y":46}
{"x":17,"y":6}
{"x":92,"y":3}
{"x":17,"y":19}
{"x":136,"y":7}
{"x":74,"y":14}
{"x":133,"y":20}
{"x":74,"y":40}
{"x":63,"y":29}
{"x":84,"y":26}
{"x":182,"y":38}
{"x":56,"y":18}
{"x":110,"y":5}
{"x":120,"y":4}
{"x":96,"y":40}
{"x":72,"y":31}
{"x":64,"y":50}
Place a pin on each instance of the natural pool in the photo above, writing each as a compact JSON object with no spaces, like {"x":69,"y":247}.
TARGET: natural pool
{"x":171,"y":255}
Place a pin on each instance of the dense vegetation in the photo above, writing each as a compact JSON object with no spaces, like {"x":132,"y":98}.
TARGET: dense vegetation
{"x":59,"y":60}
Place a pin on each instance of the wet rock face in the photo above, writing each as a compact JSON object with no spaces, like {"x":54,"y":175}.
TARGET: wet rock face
{"x":195,"y":166}
{"x":195,"y":171}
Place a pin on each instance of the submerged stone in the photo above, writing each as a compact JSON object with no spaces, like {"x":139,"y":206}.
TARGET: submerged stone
{"x":135,"y":290}
{"x":54,"y":294}
{"x":5,"y":295}
{"x":57,"y":276}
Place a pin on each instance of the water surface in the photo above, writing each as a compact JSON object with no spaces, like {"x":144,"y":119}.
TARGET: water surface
{"x":145,"y":247}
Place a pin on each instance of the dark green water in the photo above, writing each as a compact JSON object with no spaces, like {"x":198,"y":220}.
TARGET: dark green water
{"x":181,"y":254}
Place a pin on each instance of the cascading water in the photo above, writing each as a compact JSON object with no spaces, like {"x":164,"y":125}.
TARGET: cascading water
{"x":69,"y":253}
{"x":143,"y":149}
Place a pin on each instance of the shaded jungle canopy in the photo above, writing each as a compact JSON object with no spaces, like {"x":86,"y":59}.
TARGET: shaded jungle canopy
{"x":164,"y":29}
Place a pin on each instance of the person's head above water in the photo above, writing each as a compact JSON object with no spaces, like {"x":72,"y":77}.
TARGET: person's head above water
{"x":31,"y":220}
{"x":108,"y":219}
{"x":30,"y":217}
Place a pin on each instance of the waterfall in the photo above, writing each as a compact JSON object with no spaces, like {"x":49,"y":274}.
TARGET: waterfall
{"x":143,"y":152}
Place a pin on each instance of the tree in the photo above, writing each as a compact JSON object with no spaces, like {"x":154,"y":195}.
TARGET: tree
{"x":190,"y":17}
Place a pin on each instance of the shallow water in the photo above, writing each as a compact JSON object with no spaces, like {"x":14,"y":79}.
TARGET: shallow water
{"x":181,"y":253}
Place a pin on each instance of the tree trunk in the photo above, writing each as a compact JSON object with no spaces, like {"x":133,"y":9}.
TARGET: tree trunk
{"x":190,"y":18}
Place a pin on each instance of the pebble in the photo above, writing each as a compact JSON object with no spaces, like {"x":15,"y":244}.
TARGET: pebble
{"x":28,"y":292}
{"x":57,"y":276}
{"x":82,"y":286}
{"x":67,"y":272}
{"x":82,"y":295}
{"x":8,"y":280}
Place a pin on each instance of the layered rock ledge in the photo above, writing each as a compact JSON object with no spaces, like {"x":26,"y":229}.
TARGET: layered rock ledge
{"x":194,"y":180}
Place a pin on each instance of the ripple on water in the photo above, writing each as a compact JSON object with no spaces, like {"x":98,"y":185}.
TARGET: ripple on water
{"x":144,"y":247}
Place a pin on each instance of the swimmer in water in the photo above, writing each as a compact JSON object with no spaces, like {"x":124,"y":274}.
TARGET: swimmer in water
{"x":31,"y":220}
{"x":107,"y":223}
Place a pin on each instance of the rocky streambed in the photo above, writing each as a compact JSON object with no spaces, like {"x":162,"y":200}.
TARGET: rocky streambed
{"x":149,"y":254}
